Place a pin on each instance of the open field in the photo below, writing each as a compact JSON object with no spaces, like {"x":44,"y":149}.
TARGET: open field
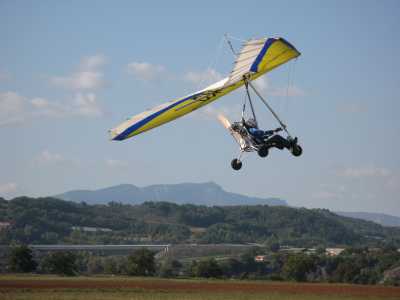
{"x":14,"y":287}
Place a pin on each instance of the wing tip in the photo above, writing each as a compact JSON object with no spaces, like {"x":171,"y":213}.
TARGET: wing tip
{"x":114,"y":135}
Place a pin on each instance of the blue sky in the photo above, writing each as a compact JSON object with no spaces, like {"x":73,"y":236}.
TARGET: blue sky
{"x":69,"y":71}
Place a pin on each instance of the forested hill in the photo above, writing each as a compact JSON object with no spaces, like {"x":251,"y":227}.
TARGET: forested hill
{"x":50,"y":220}
{"x":208,"y":193}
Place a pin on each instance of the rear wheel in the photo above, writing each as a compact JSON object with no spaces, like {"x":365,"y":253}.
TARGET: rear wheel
{"x":236,"y":164}
{"x":263,"y":151}
{"x":296,"y":150}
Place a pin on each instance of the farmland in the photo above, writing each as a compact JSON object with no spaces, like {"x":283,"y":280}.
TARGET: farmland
{"x":14,"y":287}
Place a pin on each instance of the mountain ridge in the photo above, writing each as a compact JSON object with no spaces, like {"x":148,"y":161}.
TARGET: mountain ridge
{"x":379,"y":218}
{"x":207,"y":193}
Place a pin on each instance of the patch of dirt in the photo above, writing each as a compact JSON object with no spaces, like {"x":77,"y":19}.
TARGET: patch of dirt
{"x":201,"y":286}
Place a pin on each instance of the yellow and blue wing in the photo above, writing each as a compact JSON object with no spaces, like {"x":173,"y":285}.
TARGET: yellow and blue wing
{"x":256,"y":58}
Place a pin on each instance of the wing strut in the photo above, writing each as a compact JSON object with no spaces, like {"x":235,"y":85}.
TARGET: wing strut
{"x":247,"y":84}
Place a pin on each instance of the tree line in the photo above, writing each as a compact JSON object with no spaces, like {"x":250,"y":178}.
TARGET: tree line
{"x":67,"y":263}
{"x":354,"y":265}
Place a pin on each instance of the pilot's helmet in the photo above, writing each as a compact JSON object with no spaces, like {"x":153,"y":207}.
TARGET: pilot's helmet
{"x":251,"y":123}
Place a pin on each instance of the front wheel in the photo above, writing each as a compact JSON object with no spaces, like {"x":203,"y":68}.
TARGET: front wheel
{"x":296,"y":150}
{"x":236,"y":164}
{"x":263,"y":151}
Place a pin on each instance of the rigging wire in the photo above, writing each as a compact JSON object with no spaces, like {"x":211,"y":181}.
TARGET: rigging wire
{"x":287,"y":86}
{"x":235,"y":38}
{"x":284,"y":103}
{"x":226,"y":36}
{"x":290,"y":84}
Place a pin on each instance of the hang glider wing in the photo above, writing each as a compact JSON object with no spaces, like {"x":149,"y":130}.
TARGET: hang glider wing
{"x":256,"y":57}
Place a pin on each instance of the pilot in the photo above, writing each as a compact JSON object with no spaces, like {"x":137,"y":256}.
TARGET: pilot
{"x":270,"y":136}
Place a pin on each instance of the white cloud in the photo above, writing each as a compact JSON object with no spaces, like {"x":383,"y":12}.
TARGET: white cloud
{"x":81,"y":104}
{"x":364,"y":172}
{"x":43,"y":107}
{"x":86,"y":105}
{"x":93,"y":62}
{"x":263,"y":85}
{"x":145,"y":71}
{"x":8,"y":188}
{"x":207,"y":76}
{"x":84,"y":80}
{"x":11,"y":102}
{"x":15,"y":108}
{"x":40,"y":103}
{"x":46,"y":157}
{"x":211,"y":112}
{"x":89,"y":77}
{"x":114,"y":163}
{"x":12,"y":106}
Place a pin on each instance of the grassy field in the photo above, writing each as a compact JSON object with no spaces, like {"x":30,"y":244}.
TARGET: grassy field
{"x":13,"y":287}
{"x":138,"y":295}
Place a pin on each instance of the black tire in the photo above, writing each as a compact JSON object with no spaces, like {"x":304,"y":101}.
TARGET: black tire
{"x":263,"y":151}
{"x":297,"y":150}
{"x":236,"y":164}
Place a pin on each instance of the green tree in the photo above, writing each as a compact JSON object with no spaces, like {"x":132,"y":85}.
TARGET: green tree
{"x":170,"y":268}
{"x":231,"y":267}
{"x":141,"y":263}
{"x":208,"y":268}
{"x":95,"y":265}
{"x":297,"y":266}
{"x":320,"y":250}
{"x":247,"y":259}
{"x":110,"y":265}
{"x":21,"y":259}
{"x":61,"y":262}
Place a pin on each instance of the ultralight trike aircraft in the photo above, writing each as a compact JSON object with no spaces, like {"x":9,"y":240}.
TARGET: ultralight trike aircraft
{"x":256,"y":57}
